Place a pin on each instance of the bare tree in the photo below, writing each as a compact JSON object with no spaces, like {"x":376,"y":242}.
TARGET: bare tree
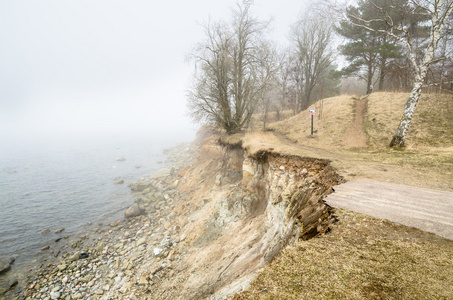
{"x":312,"y":38}
{"x":268,"y":60}
{"x":231,"y":71}
{"x":436,"y":12}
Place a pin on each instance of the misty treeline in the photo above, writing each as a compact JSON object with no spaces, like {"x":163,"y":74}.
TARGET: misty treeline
{"x":239,"y":71}
{"x":385,"y":45}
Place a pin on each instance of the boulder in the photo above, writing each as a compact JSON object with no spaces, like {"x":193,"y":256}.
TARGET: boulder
{"x":7,"y":285}
{"x":5,"y":264}
{"x":139,"y":186}
{"x":133,"y":211}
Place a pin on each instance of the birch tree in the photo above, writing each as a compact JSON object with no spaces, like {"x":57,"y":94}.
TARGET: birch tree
{"x":436,"y":12}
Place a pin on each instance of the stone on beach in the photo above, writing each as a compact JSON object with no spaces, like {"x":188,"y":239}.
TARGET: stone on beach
{"x":45,"y":231}
{"x":5,"y":264}
{"x":54,"y":295}
{"x":126,"y":257}
{"x":133,"y":211}
{"x":158,"y":252}
{"x":7,"y":285}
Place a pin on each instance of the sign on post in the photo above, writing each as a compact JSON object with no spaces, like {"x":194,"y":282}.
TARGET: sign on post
{"x":312,"y":113}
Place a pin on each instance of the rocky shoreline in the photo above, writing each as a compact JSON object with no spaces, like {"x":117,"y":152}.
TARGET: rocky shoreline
{"x":202,"y":229}
{"x":120,"y":260}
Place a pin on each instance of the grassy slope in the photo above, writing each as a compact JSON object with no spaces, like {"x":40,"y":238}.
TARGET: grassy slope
{"x":432,"y":124}
{"x":363,"y":257}
{"x":429,"y":144}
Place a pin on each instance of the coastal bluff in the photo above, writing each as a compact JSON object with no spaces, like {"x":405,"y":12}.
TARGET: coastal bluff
{"x":209,"y":223}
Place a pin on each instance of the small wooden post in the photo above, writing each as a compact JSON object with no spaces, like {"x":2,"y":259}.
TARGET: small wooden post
{"x":312,"y":113}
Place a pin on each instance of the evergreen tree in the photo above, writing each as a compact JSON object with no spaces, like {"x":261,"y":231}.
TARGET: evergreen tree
{"x":369,"y":51}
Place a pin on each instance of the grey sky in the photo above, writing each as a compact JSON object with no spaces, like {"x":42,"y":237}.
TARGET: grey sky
{"x":92,"y":66}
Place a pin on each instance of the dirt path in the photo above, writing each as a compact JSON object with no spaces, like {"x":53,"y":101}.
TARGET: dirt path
{"x":362,"y":165}
{"x":355,"y":136}
{"x":426,"y":209}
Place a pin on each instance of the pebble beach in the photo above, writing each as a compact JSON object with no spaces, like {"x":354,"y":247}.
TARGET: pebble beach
{"x":120,"y":260}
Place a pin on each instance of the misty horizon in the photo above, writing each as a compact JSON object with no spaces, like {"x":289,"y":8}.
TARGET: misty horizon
{"x":91,"y":68}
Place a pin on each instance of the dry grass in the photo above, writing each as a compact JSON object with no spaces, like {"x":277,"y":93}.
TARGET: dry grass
{"x":333,"y":115}
{"x":362,"y":258}
{"x":426,"y":161}
{"x":432,"y":124}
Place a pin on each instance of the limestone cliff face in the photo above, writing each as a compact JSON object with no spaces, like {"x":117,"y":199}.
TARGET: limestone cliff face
{"x":288,"y":191}
{"x":240,"y":210}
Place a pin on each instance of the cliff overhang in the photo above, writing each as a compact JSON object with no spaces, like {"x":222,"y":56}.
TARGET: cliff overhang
{"x":243,"y":207}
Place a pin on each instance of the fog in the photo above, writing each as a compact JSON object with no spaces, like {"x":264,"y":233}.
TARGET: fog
{"x":99,"y":67}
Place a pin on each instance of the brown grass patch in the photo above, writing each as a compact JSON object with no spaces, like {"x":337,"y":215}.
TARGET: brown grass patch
{"x":331,"y":120}
{"x":432,"y":123}
{"x":362,"y":258}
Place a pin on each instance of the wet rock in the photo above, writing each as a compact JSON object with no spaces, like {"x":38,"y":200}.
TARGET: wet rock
{"x":58,"y":230}
{"x":5,"y":264}
{"x":133,"y":211}
{"x":45,"y":231}
{"x":120,"y":159}
{"x":7,"y":285}
{"x":119,"y":181}
{"x":139,"y":186}
{"x":75,"y":256}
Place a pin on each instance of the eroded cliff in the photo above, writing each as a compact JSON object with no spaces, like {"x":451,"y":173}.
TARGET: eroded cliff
{"x":237,"y":212}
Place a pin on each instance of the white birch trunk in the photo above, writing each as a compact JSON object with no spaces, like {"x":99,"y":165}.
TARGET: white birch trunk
{"x":437,"y":25}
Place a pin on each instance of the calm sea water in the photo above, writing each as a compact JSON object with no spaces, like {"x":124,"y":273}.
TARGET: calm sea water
{"x":67,"y":184}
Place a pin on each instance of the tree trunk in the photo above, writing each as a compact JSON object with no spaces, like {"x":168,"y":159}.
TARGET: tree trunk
{"x":421,"y":71}
{"x":400,"y":135}
{"x":369,"y":78}
{"x":382,"y":74}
